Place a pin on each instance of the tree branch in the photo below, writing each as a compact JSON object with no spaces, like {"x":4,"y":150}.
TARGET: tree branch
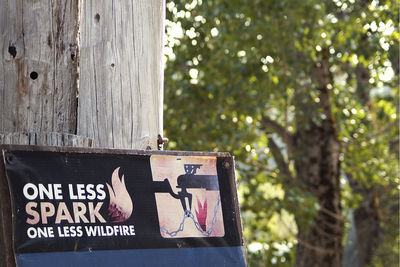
{"x":333,"y":214}
{"x":260,"y":166}
{"x":267,"y":124}
{"x":280,"y":161}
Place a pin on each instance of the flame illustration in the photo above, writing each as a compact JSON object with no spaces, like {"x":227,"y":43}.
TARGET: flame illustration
{"x":201,"y":214}
{"x":120,"y":207}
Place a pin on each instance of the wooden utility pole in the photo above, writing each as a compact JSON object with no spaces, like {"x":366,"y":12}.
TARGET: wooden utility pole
{"x":78,"y":73}
{"x":121,"y":73}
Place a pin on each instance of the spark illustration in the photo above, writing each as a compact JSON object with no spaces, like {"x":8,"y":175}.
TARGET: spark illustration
{"x":120,"y":207}
{"x":201,"y":214}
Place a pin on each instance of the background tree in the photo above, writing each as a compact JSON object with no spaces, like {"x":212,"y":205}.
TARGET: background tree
{"x":304,"y":94}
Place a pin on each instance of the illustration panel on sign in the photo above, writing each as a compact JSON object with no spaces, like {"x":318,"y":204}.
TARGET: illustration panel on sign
{"x":187,"y":196}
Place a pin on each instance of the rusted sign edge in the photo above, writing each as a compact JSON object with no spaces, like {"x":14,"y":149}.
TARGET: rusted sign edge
{"x":111,"y":151}
{"x":7,"y":256}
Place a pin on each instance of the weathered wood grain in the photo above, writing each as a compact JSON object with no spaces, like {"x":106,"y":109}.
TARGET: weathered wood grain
{"x":38,"y":65}
{"x":118,"y":66}
{"x":46,"y":139}
{"x":120,"y":88}
{"x":38,"y":85}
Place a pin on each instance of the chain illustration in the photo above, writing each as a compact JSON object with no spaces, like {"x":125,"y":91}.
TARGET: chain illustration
{"x":189,"y":214}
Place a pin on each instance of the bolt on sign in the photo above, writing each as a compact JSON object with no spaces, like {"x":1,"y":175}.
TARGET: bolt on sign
{"x":98,"y":207}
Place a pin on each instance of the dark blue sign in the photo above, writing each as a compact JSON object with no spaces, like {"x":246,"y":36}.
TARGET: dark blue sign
{"x":81,"y":207}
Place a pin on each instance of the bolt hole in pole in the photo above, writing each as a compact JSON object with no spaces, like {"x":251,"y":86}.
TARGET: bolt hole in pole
{"x":97,"y":18}
{"x":12,"y":50}
{"x":33,"y":75}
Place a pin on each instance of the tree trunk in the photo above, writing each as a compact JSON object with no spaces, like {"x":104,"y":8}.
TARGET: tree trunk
{"x":366,"y":217}
{"x":367,"y":222}
{"x":317,"y":166}
{"x":316,"y":151}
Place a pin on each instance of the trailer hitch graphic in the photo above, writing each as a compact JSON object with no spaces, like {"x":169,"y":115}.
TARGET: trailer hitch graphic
{"x":189,"y":180}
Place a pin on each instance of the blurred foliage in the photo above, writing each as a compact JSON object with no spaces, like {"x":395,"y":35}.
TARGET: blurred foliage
{"x":228,"y":63}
